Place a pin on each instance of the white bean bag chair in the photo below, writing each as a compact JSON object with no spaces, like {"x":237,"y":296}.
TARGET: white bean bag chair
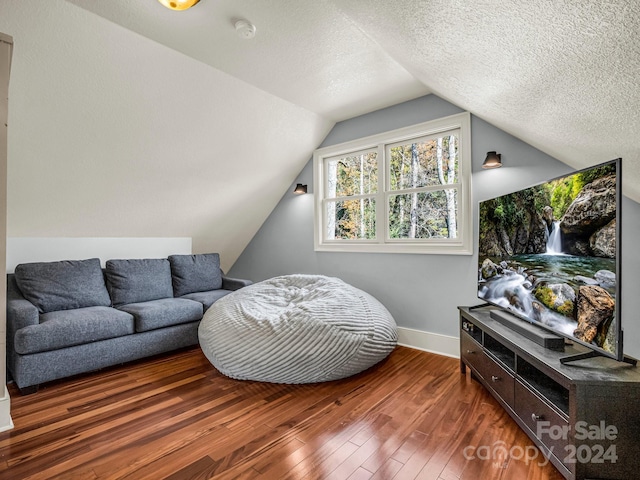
{"x":296,"y":329}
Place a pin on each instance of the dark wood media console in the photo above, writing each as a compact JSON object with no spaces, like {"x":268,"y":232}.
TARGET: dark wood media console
{"x":584,"y":416}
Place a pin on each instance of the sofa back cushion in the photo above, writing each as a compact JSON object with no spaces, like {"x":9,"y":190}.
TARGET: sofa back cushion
{"x":138,"y":280}
{"x":63,"y":285}
{"x":195,"y":273}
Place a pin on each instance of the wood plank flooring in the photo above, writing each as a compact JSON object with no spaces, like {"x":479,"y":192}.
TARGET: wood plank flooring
{"x":413,"y":416}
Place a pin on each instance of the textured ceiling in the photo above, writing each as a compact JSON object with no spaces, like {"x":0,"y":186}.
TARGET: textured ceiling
{"x":306,"y":52}
{"x":560,"y":75}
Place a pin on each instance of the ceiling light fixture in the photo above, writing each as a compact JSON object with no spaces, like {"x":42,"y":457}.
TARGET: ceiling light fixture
{"x":493,"y":160}
{"x":178,"y":4}
{"x":245,"y":29}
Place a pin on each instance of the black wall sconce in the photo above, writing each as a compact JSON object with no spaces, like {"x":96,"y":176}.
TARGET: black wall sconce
{"x":300,"y":189}
{"x":493,"y":160}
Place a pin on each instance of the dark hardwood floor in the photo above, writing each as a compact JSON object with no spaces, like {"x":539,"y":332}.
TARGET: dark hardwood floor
{"x":413,"y":416}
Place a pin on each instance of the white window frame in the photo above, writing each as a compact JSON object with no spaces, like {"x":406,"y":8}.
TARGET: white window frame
{"x":462,"y":245}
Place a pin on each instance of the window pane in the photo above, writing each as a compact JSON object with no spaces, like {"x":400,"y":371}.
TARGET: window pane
{"x":424,"y":163}
{"x":351,"y":219}
{"x":352,"y":175}
{"x":424,"y":215}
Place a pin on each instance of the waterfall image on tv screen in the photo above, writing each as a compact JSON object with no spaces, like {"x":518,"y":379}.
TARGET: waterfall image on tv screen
{"x":550,"y":255}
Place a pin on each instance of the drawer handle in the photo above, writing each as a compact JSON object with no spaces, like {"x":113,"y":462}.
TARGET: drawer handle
{"x":471,"y":351}
{"x":494,"y":378}
{"x":535,"y":417}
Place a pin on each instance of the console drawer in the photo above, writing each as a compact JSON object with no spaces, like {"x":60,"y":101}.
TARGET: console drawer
{"x":496,"y":378}
{"x":554,"y":432}
{"x":469,"y":348}
{"x":549,"y":398}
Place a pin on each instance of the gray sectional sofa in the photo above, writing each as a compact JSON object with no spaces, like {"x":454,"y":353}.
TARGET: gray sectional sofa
{"x":71,"y":317}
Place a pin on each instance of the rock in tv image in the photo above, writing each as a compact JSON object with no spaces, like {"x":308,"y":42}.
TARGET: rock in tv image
{"x":550,"y":255}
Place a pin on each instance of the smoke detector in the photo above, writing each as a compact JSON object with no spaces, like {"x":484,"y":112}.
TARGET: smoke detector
{"x":245,"y":29}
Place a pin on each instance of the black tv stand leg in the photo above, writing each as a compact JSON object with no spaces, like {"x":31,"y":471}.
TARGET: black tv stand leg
{"x":591,"y":354}
{"x":630,"y":360}
{"x":579,"y":356}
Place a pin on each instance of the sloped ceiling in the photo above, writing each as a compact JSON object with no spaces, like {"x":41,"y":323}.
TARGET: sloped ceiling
{"x":112,"y":134}
{"x":306,"y":52}
{"x":562,"y":76}
{"x":130,"y":120}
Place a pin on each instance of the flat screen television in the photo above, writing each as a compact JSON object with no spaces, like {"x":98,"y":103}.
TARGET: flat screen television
{"x":550,"y":255}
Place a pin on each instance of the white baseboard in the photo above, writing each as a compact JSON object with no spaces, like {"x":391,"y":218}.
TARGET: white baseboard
{"x":5,"y":415}
{"x":429,"y":342}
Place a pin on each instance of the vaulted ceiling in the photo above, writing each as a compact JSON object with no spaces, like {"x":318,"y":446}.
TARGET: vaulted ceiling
{"x":560,"y":75}
{"x":127,"y":119}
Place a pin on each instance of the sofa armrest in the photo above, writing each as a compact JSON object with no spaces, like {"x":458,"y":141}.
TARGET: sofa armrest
{"x":20,"y":313}
{"x":229,"y":283}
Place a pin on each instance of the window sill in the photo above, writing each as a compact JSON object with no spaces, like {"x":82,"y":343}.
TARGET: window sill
{"x":438,"y":249}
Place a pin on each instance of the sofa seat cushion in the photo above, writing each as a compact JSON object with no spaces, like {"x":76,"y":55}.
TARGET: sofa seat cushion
{"x":63,"y":285}
{"x":207,"y":298}
{"x":195,"y":273}
{"x":163,"y":313}
{"x":72,"y":327}
{"x":138,"y":280}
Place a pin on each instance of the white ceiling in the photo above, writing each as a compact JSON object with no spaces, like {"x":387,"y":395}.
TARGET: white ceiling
{"x":306,"y":52}
{"x":560,"y":75}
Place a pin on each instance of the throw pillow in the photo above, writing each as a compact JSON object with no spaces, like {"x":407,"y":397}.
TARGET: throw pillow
{"x":138,"y":280}
{"x":195,"y":273}
{"x":63,"y":285}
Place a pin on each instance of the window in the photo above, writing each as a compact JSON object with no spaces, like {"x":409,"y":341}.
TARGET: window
{"x":402,"y":191}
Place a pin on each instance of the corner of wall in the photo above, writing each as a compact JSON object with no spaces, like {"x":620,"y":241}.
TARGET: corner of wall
{"x":429,"y":342}
{"x":5,"y":411}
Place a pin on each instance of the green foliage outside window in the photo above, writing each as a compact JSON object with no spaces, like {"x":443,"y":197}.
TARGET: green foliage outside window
{"x":355,"y":174}
{"x":426,"y":164}
{"x":354,"y":219}
{"x":422,"y":168}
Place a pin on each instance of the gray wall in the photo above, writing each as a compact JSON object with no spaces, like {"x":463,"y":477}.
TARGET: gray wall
{"x":422,"y":292}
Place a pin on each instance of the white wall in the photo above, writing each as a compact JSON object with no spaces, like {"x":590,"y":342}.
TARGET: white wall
{"x":5,"y":67}
{"x":114,"y":135}
{"x":45,"y":249}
